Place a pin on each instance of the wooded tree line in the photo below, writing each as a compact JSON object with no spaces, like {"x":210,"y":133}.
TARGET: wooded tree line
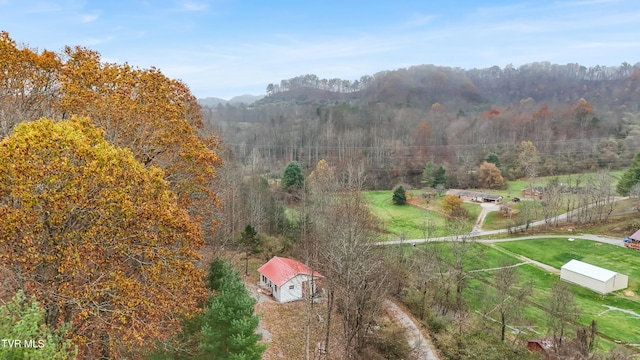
{"x":509,"y":81}
{"x":578,"y":118}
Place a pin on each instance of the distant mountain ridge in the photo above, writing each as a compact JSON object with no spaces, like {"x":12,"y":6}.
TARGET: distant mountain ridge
{"x":247,"y":99}
{"x":424,"y":85}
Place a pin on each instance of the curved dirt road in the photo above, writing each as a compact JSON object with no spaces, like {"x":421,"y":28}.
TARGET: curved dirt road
{"x":420,"y":345}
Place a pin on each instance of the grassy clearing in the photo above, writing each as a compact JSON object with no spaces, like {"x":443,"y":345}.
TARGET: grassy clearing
{"x":515,"y":187}
{"x":494,"y":221}
{"x":413,"y":222}
{"x":613,"y":323}
{"x":478,"y":257}
{"x":617,"y":324}
{"x":558,"y":251}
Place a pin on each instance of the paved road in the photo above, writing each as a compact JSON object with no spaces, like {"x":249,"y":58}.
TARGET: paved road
{"x":468,"y":237}
{"x":488,"y":207}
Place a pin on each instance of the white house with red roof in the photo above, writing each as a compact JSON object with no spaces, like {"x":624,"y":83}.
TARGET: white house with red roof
{"x":288,"y":279}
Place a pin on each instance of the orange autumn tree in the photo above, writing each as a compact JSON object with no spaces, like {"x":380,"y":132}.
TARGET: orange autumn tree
{"x":490,"y":177}
{"x":155,"y":117}
{"x":452,"y":206}
{"x":96,"y":237}
{"x":27,"y":83}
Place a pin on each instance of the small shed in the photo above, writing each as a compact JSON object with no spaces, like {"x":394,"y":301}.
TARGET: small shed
{"x":544,"y":346}
{"x":593,"y":277}
{"x":289,"y":279}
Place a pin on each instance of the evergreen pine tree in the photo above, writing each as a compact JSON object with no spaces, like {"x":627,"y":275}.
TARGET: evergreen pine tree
{"x":428,"y":173}
{"x":292,"y":178}
{"x":229,"y":324}
{"x":399,"y":196}
{"x":630,"y":177}
{"x":493,"y":159}
{"x":439,"y":177}
{"x":225,"y":330}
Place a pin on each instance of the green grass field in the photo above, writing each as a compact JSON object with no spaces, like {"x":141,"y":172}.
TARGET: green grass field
{"x":558,"y":251}
{"x":411,"y":222}
{"x":617,"y":315}
{"x":514,"y":187}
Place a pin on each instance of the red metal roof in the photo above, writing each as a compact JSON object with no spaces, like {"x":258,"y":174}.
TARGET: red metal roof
{"x":280,"y":270}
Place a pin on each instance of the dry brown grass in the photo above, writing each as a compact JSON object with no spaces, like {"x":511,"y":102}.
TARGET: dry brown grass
{"x":286,"y":323}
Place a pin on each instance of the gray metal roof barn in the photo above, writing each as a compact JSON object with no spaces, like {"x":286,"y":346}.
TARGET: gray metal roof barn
{"x":593,"y":277}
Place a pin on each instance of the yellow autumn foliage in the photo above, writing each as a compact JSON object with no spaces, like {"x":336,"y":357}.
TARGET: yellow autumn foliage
{"x":98,"y":238}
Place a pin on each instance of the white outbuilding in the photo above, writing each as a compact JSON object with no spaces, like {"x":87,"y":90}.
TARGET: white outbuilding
{"x":289,"y":280}
{"x":593,"y":277}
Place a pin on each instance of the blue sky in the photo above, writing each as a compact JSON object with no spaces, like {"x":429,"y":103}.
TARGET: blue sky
{"x":224,"y":48}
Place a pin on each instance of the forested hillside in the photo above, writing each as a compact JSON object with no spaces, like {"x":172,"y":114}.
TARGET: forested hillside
{"x":394,"y":122}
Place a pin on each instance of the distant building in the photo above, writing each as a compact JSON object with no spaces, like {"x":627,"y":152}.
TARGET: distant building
{"x":533,"y":192}
{"x":544,"y":346}
{"x":289,"y":279}
{"x":633,"y":241}
{"x":593,"y":277}
{"x":467,"y":195}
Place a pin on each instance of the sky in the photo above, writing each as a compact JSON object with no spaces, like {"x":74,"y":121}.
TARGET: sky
{"x":225,"y":48}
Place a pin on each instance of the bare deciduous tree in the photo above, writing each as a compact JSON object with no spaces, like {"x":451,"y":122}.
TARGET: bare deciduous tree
{"x":562,"y":312}
{"x":509,"y":296}
{"x":357,"y":275}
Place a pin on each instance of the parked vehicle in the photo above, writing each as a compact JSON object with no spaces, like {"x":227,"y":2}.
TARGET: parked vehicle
{"x":631,"y":243}
{"x":515,"y":199}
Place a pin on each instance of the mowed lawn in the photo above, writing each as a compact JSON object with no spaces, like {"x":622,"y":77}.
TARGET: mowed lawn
{"x":409,"y":221}
{"x":617,"y":314}
{"x":558,"y":251}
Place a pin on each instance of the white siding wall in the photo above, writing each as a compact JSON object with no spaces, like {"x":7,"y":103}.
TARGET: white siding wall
{"x":584,"y":281}
{"x":284,"y":293}
{"x":619,"y":282}
{"x":294,"y":294}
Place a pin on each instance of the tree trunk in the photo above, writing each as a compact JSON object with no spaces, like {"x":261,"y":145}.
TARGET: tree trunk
{"x":504,"y":326}
{"x":329,"y":310}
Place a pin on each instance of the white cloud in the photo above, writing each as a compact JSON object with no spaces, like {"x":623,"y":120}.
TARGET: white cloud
{"x":188,"y":5}
{"x":87,"y":18}
{"x":44,"y":7}
{"x":93,"y":41}
{"x":418,"y":20}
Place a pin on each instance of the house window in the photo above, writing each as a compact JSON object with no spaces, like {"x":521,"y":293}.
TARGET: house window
{"x":291,"y":287}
